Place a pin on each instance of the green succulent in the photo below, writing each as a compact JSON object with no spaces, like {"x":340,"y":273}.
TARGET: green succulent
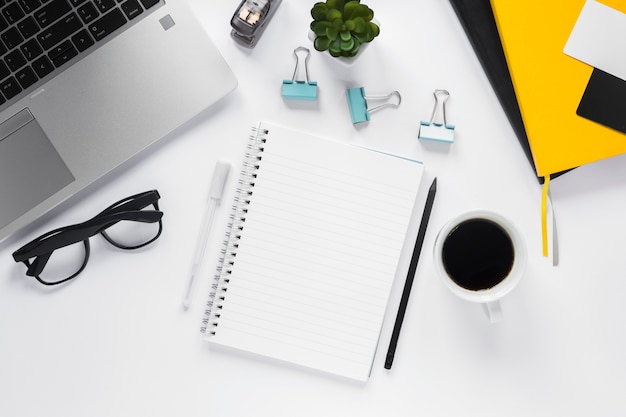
{"x":341,"y":26}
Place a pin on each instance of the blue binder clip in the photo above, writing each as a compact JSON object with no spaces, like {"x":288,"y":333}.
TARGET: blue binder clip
{"x":437,"y":131}
{"x":358,"y":104}
{"x":296,"y":89}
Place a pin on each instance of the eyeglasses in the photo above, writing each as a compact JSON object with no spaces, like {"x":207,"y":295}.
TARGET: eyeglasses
{"x":125,"y":224}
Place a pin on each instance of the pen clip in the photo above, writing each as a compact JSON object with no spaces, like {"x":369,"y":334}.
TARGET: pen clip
{"x":220,"y":175}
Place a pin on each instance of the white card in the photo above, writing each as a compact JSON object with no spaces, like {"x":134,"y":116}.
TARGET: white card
{"x":599,"y":38}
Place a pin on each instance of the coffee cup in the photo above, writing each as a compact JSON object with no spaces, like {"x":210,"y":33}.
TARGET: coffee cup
{"x":481,"y":257}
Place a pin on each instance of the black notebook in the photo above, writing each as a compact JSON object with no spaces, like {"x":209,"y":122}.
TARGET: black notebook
{"x":478,"y":21}
{"x":604,"y":100}
{"x":315,"y":238}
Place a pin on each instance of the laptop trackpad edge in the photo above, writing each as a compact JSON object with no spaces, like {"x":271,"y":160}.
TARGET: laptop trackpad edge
{"x":31,"y":169}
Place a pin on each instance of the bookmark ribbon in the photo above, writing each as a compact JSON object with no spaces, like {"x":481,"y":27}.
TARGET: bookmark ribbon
{"x":544,"y":214}
{"x":545,"y":199}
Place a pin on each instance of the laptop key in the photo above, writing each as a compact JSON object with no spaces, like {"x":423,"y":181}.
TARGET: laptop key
{"x":59,"y":50}
{"x":51,"y":12}
{"x":82,"y":40}
{"x":31,"y":49}
{"x":43,"y":66}
{"x":107,"y":24}
{"x":4,"y":70}
{"x":12,"y":38}
{"x":68,"y":53}
{"x":28,"y":27}
{"x":3,"y":23}
{"x":131,"y":9}
{"x":88,"y":12}
{"x":149,"y":3}
{"x":59,"y":31}
{"x":10,"y":87}
{"x":15,"y":60}
{"x":13,"y":12}
{"x":104,"y":5}
{"x":26,"y":77}
{"x":30,"y":5}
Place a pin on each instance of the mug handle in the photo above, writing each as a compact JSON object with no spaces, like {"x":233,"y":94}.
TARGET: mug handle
{"x":493,"y":310}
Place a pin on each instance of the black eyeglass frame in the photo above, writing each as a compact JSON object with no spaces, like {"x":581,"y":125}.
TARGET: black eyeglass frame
{"x":127,"y":209}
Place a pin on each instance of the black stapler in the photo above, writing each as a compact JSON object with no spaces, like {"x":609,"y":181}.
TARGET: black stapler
{"x":250,"y":19}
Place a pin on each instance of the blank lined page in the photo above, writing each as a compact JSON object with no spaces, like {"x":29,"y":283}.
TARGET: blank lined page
{"x":313,"y":251}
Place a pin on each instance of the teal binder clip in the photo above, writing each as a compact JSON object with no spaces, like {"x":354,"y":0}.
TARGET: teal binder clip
{"x":358,"y":104}
{"x":296,"y":89}
{"x":437,"y":131}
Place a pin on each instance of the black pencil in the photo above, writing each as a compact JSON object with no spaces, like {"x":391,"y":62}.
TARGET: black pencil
{"x":411,"y":274}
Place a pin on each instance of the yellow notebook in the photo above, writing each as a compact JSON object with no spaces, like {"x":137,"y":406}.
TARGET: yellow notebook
{"x":550,"y":84}
{"x":616,"y":4}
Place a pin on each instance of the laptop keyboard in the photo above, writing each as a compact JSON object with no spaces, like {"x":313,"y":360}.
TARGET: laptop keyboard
{"x":38,"y":37}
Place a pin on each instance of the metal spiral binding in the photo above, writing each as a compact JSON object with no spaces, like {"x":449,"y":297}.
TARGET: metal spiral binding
{"x":239,"y":210}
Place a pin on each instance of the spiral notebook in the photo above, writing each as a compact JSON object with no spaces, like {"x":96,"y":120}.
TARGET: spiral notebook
{"x":311,"y":252}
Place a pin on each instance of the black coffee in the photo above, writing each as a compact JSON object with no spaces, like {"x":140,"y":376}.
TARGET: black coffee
{"x":478,"y":254}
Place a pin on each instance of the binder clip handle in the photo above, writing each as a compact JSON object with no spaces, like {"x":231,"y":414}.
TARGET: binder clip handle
{"x":299,"y":65}
{"x":386,"y":98}
{"x":440,"y":103}
{"x":433,"y":129}
{"x":298,"y":89}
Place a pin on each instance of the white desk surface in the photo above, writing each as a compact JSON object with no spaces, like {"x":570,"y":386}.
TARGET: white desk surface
{"x":116,"y":342}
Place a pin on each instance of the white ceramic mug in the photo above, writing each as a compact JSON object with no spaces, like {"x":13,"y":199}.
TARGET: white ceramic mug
{"x":472,"y":244}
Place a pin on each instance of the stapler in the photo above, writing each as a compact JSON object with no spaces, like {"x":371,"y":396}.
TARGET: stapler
{"x":250,"y":19}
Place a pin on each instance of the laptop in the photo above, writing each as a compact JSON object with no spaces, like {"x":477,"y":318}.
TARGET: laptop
{"x":87,"y":84}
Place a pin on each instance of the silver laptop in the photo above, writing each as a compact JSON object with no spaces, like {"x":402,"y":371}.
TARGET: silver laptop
{"x":87,"y":84}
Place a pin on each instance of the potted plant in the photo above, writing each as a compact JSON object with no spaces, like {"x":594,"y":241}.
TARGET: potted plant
{"x":342,"y":27}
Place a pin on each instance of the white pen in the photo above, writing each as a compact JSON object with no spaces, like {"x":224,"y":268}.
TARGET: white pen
{"x":220,"y":174}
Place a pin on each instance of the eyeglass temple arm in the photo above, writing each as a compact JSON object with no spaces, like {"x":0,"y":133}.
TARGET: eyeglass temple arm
{"x":143,"y":216}
{"x":38,"y":264}
{"x":135,"y":202}
{"x":48,"y":243}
